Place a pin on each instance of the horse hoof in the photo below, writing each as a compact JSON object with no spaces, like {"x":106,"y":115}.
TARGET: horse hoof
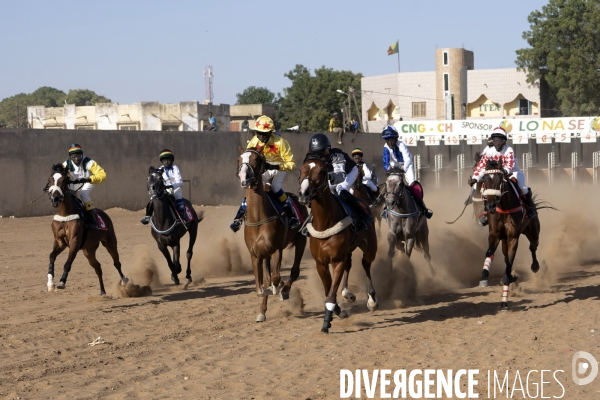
{"x":535,"y":267}
{"x":342,"y":315}
{"x":348,"y":296}
{"x":503,"y":306}
{"x":124,"y":281}
{"x":261,"y":318}
{"x":483,"y":283}
{"x":102,"y":294}
{"x":324,"y":330}
{"x":284,"y":296}
{"x":51,"y":287}
{"x":60,"y":285}
{"x":175,"y":279}
{"x":372,"y":306}
{"x":265,"y":293}
{"x":188,"y":281}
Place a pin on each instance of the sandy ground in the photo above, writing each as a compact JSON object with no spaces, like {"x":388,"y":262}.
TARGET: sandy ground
{"x":203,"y":343}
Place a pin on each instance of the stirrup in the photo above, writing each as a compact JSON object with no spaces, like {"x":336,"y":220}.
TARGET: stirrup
{"x":235,"y":225}
{"x":145,"y":220}
{"x":428,"y":213}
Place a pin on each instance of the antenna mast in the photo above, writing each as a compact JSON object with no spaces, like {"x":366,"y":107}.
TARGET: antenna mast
{"x":208,"y":78}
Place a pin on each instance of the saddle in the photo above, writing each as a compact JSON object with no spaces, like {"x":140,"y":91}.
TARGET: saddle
{"x":85,"y":217}
{"x":279,"y":207}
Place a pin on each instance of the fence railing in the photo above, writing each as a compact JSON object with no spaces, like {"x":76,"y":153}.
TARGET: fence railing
{"x":439,"y":164}
{"x":551,"y":167}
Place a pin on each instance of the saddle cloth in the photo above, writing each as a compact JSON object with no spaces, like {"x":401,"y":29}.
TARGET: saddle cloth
{"x":279,"y":207}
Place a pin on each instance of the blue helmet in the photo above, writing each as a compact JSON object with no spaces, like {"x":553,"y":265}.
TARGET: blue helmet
{"x":389,"y":133}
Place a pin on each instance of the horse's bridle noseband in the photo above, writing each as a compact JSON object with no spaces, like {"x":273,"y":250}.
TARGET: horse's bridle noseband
{"x":494,"y":192}
{"x":152,"y":191}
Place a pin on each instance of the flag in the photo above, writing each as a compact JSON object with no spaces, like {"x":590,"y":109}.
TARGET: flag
{"x":393,"y":49}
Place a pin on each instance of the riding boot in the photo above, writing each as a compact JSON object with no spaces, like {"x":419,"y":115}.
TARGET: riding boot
{"x":149,"y":212}
{"x":92,"y":218}
{"x":289,"y":210}
{"x":531,"y":211}
{"x":428,"y":213}
{"x":365,"y":219}
{"x":180,"y":206}
{"x":239,"y":217}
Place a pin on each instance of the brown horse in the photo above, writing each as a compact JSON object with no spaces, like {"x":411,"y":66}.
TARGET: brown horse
{"x":265,"y":235}
{"x":374,"y":201}
{"x":332,"y":240}
{"x":507,"y":221}
{"x":69,"y":231}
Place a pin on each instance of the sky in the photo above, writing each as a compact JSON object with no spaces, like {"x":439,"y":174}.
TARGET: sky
{"x":132,"y":51}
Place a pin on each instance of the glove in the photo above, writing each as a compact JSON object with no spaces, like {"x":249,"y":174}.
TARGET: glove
{"x":471,"y":182}
{"x":272,"y":166}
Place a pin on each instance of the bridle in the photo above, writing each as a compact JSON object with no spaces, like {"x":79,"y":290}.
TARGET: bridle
{"x":253,"y":179}
{"x":153,"y":191}
{"x":316,"y":192}
{"x":50,"y":189}
{"x":494,"y":192}
{"x":398,"y":194}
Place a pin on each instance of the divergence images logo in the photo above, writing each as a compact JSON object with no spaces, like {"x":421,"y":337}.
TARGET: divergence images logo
{"x":595,"y":124}
{"x":580,"y":368}
{"x":507,"y":126}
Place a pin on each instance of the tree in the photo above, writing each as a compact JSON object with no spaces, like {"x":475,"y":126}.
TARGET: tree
{"x":80,"y":97}
{"x":565,"y":53}
{"x":312,"y":99}
{"x":255,"y":95}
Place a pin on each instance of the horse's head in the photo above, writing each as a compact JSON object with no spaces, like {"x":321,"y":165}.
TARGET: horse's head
{"x":251,"y":165}
{"x":394,"y":185}
{"x":313,"y":178}
{"x":493,"y":178}
{"x":58,"y":184}
{"x":156,"y":184}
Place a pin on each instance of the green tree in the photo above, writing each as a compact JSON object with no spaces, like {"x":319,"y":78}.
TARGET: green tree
{"x":565,"y":53}
{"x":80,"y":97}
{"x":311,"y":100}
{"x":255,"y":95}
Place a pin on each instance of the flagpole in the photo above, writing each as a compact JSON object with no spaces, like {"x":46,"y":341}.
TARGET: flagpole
{"x":398,"y":47}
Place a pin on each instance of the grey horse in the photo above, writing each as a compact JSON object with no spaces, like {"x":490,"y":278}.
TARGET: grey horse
{"x":406,"y":221}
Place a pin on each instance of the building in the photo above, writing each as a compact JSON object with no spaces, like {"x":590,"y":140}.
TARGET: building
{"x":455,"y":90}
{"x":146,"y":116}
{"x":250,"y":111}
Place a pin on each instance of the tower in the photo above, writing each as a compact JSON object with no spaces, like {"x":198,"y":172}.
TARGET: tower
{"x":208,"y":78}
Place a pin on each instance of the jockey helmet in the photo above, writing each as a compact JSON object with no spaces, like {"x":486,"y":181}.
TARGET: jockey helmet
{"x":166,"y":153}
{"x":499,"y":132}
{"x":264,"y":124}
{"x":389,"y":133}
{"x":75,"y":149}
{"x":319,"y":142}
{"x":357,"y":151}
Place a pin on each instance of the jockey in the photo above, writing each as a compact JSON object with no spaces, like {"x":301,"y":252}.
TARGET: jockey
{"x":510,"y":164}
{"x":280,"y":159}
{"x":357,"y":155}
{"x":345,"y":172}
{"x":396,"y":152}
{"x":173,"y":181}
{"x":87,"y":171}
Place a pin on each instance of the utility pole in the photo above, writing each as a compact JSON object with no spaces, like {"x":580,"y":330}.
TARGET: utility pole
{"x":351,"y":92}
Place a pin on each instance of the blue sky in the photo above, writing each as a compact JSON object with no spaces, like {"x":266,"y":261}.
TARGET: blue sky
{"x":131,"y":51}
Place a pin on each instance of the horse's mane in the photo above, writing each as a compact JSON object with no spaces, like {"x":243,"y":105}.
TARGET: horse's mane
{"x":395,"y":169}
{"x":312,"y":156}
{"x":59,"y":168}
{"x":153,"y":170}
{"x":493,"y":164}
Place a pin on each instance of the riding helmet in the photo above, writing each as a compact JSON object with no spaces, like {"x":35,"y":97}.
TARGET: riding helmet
{"x":357,"y":151}
{"x":389,"y":133}
{"x":319,"y":142}
{"x":75,"y":149}
{"x":264,"y":124}
{"x":499,"y":132}
{"x":166,"y":153}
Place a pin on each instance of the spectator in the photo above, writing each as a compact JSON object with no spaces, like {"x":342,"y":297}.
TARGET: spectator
{"x":212,"y":121}
{"x":353,"y":125}
{"x":334,"y":126}
{"x":245,"y":125}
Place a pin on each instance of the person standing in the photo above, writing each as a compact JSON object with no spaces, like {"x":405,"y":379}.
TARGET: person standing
{"x":212,"y":121}
{"x":335,"y":127}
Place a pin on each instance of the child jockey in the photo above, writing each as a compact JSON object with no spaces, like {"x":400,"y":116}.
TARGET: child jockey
{"x":357,"y":156}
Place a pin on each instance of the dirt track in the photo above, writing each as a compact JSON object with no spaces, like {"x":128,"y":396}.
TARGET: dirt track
{"x":203,"y":342}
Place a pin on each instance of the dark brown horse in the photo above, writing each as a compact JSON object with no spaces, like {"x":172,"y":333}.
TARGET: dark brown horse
{"x":69,"y":231}
{"x":332,"y":239}
{"x":168,"y":227}
{"x":507,"y":221}
{"x":375,"y":202}
{"x":265,"y":235}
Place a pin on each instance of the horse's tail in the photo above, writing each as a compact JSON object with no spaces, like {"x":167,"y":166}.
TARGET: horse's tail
{"x":540,"y":204}
{"x":200,"y":215}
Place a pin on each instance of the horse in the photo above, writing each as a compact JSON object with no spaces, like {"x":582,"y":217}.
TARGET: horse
{"x":264,"y":233}
{"x":361,"y":191}
{"x":407,"y":225}
{"x":168,"y":227}
{"x":507,"y":221}
{"x":332,"y":239}
{"x":69,"y":231}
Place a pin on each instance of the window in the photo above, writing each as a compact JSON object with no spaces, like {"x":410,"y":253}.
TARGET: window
{"x":446,"y":82}
{"x":170,"y":127}
{"x":524,"y":108}
{"x":131,"y":127}
{"x":445,"y":58}
{"x":419,"y":110}
{"x":85,"y":127}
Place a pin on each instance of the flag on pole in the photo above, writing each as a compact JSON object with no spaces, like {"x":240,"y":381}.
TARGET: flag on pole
{"x":393,"y":49}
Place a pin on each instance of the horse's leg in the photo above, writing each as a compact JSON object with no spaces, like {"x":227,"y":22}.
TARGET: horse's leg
{"x":331,"y":306}
{"x":193,"y":232}
{"x":90,"y":254}
{"x":347,"y":294}
{"x":74,"y":244}
{"x":165,"y":251}
{"x":489,"y":257}
{"x":257,"y":266}
{"x":423,"y":240}
{"x":276,"y":283}
{"x":300,"y":244}
{"x":391,"y":238}
{"x":508,"y":278}
{"x":176,"y":257}
{"x":57,"y":248}
{"x":110,"y":244}
{"x":533,"y":235}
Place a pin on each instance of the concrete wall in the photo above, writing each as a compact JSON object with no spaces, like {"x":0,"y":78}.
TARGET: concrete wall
{"x":207,"y":159}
